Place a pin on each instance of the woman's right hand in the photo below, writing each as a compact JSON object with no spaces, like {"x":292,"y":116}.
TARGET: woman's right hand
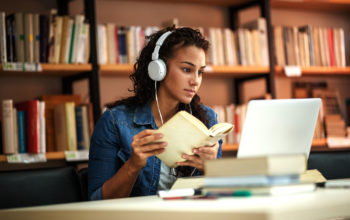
{"x":142,"y":147}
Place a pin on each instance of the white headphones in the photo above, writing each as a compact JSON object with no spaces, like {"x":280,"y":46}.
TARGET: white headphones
{"x":157,"y":67}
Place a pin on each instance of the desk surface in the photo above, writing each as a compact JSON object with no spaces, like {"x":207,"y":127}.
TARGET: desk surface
{"x":322,"y":204}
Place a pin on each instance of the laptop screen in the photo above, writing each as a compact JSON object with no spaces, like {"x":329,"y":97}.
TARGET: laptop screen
{"x":279,"y":126}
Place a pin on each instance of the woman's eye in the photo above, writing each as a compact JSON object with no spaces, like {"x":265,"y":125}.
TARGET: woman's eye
{"x":200,"y":72}
{"x":187,"y":70}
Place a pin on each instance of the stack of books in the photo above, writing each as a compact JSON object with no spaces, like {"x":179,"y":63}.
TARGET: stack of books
{"x":271,"y":175}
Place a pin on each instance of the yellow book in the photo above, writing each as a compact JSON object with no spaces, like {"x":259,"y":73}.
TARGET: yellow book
{"x":183,"y":132}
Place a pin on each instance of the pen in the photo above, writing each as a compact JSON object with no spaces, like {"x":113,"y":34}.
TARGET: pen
{"x":237,"y":193}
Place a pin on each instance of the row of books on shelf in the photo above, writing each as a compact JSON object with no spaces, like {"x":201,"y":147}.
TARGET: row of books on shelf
{"x":242,"y":177}
{"x":307,"y":46}
{"x":34,"y":38}
{"x":247,"y":46}
{"x":50,"y":123}
{"x":331,"y":122}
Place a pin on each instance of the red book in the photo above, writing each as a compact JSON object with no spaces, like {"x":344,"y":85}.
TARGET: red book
{"x":31,"y":109}
{"x":331,"y":46}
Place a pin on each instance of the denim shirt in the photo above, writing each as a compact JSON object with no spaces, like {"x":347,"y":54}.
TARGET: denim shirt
{"x":110,"y":148}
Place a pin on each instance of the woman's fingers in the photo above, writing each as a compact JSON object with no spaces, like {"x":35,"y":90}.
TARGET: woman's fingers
{"x":151,"y":147}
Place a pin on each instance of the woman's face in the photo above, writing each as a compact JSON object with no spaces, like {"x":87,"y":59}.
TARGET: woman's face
{"x":184,"y":75}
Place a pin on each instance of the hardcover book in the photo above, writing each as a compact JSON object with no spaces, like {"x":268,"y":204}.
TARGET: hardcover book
{"x":183,"y":132}
{"x":270,"y":165}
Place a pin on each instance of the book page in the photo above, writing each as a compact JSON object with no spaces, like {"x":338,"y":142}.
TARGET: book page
{"x":182,"y":136}
{"x":312,"y":176}
{"x":194,"y":182}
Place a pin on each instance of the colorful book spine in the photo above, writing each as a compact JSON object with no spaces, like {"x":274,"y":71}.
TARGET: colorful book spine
{"x":7,"y":127}
{"x":21,"y":123}
{"x":32,"y":124}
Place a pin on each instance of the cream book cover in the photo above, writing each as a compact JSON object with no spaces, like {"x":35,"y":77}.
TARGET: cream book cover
{"x":183,"y":132}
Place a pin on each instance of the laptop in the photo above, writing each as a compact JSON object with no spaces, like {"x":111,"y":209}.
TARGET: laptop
{"x":279,"y":127}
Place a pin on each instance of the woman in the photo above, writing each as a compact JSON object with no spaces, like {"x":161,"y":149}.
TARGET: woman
{"x":122,"y":161}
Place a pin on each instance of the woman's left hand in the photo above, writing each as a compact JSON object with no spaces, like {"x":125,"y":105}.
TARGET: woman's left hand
{"x":200,"y":155}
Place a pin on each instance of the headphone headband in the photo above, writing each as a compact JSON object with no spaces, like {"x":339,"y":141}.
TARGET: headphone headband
{"x":160,"y":41}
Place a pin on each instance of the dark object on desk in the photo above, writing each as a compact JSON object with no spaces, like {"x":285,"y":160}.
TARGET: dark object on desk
{"x":39,"y":187}
{"x":332,"y":165}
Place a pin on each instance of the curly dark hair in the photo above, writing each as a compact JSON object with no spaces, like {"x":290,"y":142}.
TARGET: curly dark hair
{"x":144,"y":86}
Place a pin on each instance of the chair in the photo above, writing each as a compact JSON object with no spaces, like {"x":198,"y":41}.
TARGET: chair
{"x":39,"y":187}
{"x":83,"y":179}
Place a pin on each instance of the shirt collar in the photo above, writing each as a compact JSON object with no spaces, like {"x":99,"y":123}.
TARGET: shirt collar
{"x":143,"y":115}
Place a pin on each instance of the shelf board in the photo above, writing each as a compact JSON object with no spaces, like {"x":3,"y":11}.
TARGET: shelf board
{"x":211,"y":71}
{"x":318,"y":71}
{"x":209,"y":2}
{"x":116,"y":69}
{"x":49,"y":69}
{"x":49,"y":156}
{"x":317,"y":145}
{"x":315,"y":5}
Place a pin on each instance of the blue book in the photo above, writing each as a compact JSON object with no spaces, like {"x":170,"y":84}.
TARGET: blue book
{"x":79,"y":127}
{"x":21,"y":123}
{"x":122,"y":45}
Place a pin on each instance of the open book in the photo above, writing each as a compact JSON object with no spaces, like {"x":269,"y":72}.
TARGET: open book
{"x":183,"y":132}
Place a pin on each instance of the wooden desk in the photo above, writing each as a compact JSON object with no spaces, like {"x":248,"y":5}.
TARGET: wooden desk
{"x":322,"y":204}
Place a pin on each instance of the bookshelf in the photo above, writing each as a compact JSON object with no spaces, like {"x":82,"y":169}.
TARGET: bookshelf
{"x":94,"y":72}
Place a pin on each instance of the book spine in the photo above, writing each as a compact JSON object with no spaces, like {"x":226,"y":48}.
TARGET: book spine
{"x":122,"y":45}
{"x":60,"y":127}
{"x":10,"y":39}
{"x":36,"y":36}
{"x":3,"y":49}
{"x":68,"y":40}
{"x":63,"y":39}
{"x":111,"y":43}
{"x":15,"y":130}
{"x":85,"y":122}
{"x":51,"y":35}
{"x":71,"y":126}
{"x":70,"y":58}
{"x":42,"y":127}
{"x":33,"y":127}
{"x":58,"y":38}
{"x":81,"y":46}
{"x":19,"y":37}
{"x":21,"y":122}
{"x":43,"y":38}
{"x":7,"y":127}
{"x":28,"y":38}
{"x":79,"y":126}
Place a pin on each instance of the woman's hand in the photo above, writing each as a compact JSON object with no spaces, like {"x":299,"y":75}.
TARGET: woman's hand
{"x":142,"y":147}
{"x":200,"y":155}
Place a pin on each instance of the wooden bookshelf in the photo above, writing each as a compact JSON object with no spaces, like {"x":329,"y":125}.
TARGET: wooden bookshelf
{"x":318,"y":71}
{"x":51,"y":70}
{"x":314,"y":5}
{"x":222,"y":71}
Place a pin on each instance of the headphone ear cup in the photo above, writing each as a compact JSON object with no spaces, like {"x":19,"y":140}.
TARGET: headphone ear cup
{"x":157,"y":70}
